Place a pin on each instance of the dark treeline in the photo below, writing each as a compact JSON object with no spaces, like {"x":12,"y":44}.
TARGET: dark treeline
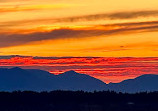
{"x":77,"y":101}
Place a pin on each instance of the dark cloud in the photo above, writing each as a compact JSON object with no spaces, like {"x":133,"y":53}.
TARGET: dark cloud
{"x":18,"y":39}
{"x":117,"y":15}
{"x":93,"y":17}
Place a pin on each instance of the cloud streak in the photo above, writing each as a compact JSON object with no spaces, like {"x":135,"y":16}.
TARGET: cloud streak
{"x":29,"y":7}
{"x":117,"y":15}
{"x":66,"y":33}
{"x":85,"y":18}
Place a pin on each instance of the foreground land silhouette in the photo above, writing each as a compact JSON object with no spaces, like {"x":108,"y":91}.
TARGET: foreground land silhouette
{"x":77,"y":101}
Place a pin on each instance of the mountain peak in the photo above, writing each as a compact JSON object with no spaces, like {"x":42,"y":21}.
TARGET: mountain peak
{"x":146,"y":76}
{"x":16,"y":68}
{"x":70,"y":72}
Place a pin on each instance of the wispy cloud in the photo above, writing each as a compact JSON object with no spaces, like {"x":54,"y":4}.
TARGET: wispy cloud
{"x":17,"y":8}
{"x":85,"y":18}
{"x":124,"y":28}
{"x":117,"y":15}
{"x":12,"y":0}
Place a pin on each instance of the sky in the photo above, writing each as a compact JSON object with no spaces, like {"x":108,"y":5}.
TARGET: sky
{"x":102,"y":28}
{"x":80,"y":28}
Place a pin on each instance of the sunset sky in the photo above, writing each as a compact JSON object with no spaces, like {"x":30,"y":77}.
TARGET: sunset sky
{"x":80,"y":28}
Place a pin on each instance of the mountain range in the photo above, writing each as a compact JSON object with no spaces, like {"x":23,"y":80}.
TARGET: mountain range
{"x":38,"y":80}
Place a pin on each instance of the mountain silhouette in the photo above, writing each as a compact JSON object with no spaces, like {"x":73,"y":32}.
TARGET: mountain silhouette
{"x":39,"y":80}
{"x":147,"y":82}
{"x":72,"y":80}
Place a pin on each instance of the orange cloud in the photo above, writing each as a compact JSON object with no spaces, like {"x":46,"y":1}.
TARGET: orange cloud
{"x":86,"y":18}
{"x":17,"y":8}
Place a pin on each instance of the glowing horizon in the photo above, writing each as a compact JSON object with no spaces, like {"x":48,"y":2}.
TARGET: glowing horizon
{"x":106,"y":69}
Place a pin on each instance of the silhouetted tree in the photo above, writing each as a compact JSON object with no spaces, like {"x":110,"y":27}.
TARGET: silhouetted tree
{"x":78,"y":101}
